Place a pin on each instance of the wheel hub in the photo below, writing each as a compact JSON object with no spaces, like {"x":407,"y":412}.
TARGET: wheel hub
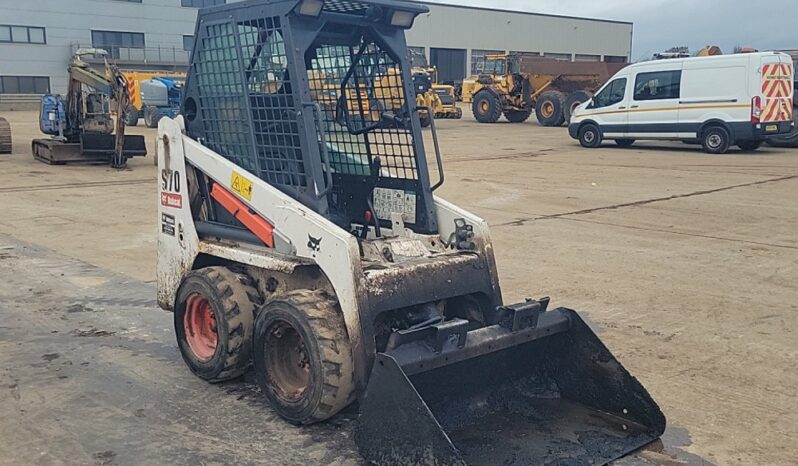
{"x":547,"y":109}
{"x":287,"y":361}
{"x":589,"y":136}
{"x":484,"y":107}
{"x":199,"y":324}
{"x":714,"y":141}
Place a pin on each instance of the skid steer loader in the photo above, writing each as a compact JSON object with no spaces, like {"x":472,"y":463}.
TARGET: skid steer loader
{"x":309,"y":245}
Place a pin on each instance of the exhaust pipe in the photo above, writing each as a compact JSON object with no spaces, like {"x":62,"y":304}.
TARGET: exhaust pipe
{"x":539,"y":388}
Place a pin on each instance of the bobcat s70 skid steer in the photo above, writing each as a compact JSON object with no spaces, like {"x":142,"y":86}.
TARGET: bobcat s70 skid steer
{"x":305,"y":241}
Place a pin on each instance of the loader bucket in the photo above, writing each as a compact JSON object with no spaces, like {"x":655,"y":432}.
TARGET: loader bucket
{"x":551,"y":394}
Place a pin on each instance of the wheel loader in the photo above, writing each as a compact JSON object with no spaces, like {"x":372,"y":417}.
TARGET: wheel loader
{"x":309,"y":246}
{"x":515,"y":85}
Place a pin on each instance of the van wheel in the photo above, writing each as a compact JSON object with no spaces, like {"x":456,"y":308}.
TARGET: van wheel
{"x":749,"y":146}
{"x":716,"y":140}
{"x":590,"y":136}
{"x":624,"y":142}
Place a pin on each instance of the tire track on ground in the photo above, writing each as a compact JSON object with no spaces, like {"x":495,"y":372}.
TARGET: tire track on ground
{"x":523,"y":221}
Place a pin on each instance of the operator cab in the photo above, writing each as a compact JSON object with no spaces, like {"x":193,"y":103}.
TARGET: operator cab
{"x":332,"y":124}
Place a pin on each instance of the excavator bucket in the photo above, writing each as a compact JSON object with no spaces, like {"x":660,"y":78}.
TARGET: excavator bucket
{"x":548,"y":393}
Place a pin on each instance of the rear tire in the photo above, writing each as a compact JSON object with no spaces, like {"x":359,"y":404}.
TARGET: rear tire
{"x":624,"y":142}
{"x":517,"y":116}
{"x":131,"y":116}
{"x":550,"y":108}
{"x":152,"y":116}
{"x":487,"y":107}
{"x":716,"y":140}
{"x":303,"y":357}
{"x":574,"y":100}
{"x":590,"y":136}
{"x":214,"y":322}
{"x":749,"y":146}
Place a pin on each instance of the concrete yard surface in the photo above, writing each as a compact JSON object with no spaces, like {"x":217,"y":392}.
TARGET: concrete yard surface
{"x":686,"y":264}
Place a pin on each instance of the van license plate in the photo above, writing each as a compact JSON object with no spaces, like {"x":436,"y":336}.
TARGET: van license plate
{"x":770,"y":128}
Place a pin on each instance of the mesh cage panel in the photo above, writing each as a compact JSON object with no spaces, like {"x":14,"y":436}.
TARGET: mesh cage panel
{"x":226,"y":100}
{"x":344,"y":6}
{"x":224,"y":113}
{"x":274,"y":115}
{"x":375,"y":103}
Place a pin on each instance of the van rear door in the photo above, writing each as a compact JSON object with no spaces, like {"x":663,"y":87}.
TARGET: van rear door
{"x":776,"y":90}
{"x":654,"y":106}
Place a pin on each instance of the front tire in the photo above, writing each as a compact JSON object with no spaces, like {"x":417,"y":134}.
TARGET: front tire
{"x":131,"y":116}
{"x":716,"y":140}
{"x":487,"y":107}
{"x":590,"y":136}
{"x":214,"y":322}
{"x":303,"y":357}
{"x":152,"y":116}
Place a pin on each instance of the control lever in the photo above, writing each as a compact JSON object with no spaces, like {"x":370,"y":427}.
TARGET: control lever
{"x":376,"y":168}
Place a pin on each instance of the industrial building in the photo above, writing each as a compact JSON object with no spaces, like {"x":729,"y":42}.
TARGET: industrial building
{"x":38,"y":38}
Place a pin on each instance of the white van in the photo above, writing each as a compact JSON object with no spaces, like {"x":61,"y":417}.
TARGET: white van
{"x":716,"y":101}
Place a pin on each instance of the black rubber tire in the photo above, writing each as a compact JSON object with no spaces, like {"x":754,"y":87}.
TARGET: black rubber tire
{"x":574,"y":100}
{"x":749,"y":146}
{"x":787,"y":140}
{"x":487,"y":107}
{"x":590,"y":136}
{"x":425,"y":120}
{"x":152,"y":116}
{"x":553,"y":115}
{"x":315,"y":316}
{"x":624,"y":142}
{"x":232,"y":299}
{"x":517,"y":116}
{"x":715,"y":140}
{"x":131,"y":116}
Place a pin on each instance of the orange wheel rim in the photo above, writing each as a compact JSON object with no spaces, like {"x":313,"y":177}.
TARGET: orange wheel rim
{"x":287,"y":361}
{"x":547,"y":109}
{"x":199,"y":324}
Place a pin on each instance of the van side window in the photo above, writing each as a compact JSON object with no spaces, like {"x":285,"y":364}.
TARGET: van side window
{"x":611,"y":94}
{"x":658,"y":86}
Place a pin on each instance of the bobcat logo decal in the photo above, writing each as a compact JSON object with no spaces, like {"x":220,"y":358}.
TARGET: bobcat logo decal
{"x":314,"y":243}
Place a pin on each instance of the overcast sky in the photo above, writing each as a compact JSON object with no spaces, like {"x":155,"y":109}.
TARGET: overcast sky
{"x":662,"y":24}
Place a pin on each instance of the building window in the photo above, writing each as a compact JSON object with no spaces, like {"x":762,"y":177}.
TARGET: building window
{"x":658,"y":86}
{"x":593,"y":58}
{"x":22,"y":34}
{"x":24,"y":85}
{"x":558,"y":56}
{"x":188,"y":43}
{"x":201,"y":3}
{"x":478,"y":59}
{"x":118,"y":44}
{"x":614,"y":59}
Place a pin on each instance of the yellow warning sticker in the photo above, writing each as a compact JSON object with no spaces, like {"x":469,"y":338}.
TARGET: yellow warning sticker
{"x":242,"y":186}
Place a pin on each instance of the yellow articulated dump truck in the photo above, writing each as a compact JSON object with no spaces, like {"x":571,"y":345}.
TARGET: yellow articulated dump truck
{"x":515,"y":85}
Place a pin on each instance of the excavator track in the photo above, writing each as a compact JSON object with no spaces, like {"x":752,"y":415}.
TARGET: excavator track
{"x":5,"y":136}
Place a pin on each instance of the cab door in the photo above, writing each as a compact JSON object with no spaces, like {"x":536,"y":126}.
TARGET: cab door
{"x":609,"y":108}
{"x":654,"y":105}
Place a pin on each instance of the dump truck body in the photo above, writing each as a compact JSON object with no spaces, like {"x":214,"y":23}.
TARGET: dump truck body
{"x":517,"y":85}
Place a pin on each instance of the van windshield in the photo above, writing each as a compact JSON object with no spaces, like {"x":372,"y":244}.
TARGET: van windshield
{"x":612,"y":93}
